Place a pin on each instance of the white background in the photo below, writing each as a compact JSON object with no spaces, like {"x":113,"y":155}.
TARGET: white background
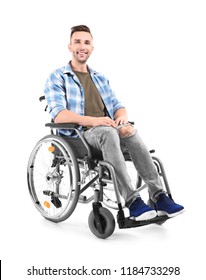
{"x":153,"y":53}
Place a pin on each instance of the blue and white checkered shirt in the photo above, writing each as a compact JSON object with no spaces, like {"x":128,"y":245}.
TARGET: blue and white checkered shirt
{"x":63,"y":90}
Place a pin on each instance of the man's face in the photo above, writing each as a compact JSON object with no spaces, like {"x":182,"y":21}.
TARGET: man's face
{"x":81,"y":46}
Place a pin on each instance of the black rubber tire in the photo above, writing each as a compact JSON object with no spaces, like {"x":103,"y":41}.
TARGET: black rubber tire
{"x":107,"y":222}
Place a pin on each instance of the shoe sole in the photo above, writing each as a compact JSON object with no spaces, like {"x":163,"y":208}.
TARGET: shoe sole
{"x":163,"y":213}
{"x":145,"y":216}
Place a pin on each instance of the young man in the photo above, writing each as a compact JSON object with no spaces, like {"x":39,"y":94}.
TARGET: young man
{"x":77,"y":94}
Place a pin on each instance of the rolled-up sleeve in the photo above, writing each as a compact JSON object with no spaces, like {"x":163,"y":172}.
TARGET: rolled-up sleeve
{"x":55,"y":94}
{"x":116,"y":103}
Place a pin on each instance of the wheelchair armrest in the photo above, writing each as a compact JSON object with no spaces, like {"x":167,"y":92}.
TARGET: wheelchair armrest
{"x":66,"y":125}
{"x":62,"y":125}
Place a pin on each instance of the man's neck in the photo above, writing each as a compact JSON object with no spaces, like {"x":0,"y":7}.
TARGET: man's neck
{"x":79,"y":67}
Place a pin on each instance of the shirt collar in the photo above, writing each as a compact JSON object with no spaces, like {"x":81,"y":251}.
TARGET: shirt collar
{"x":68,"y":70}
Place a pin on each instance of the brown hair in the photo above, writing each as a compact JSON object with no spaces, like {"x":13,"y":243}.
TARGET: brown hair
{"x":78,"y":28}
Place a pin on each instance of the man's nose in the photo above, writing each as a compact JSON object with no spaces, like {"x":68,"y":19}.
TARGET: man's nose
{"x":82,"y":46}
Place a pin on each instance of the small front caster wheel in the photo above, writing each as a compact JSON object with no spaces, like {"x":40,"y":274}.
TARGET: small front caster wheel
{"x":106,"y":220}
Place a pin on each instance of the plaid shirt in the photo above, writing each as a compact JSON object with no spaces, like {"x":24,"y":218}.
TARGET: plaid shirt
{"x":63,"y":90}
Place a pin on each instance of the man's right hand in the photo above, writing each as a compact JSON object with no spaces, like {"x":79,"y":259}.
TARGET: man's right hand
{"x":105,"y":121}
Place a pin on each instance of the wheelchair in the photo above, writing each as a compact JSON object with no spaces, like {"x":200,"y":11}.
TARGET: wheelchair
{"x":61,"y":169}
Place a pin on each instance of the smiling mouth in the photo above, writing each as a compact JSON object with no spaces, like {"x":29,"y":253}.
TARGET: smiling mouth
{"x":82,"y":53}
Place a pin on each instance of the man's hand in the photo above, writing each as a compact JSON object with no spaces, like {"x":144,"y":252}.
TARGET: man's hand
{"x":121,"y":120}
{"x":121,"y":117}
{"x":105,"y":121}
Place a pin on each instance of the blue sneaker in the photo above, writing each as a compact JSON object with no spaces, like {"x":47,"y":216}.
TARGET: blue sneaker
{"x":140,"y":211}
{"x":166,"y":206}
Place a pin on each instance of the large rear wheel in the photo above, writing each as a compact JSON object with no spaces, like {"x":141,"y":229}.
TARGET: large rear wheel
{"x":53,"y":178}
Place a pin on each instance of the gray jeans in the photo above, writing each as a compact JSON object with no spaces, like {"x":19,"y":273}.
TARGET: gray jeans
{"x":107,"y":140}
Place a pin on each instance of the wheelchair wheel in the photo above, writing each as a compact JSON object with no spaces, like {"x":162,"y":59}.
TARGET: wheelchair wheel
{"x":53,"y":178}
{"x":107,"y":222}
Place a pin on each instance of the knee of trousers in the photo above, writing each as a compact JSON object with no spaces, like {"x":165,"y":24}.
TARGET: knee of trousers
{"x":110,"y":134}
{"x":126,"y":131}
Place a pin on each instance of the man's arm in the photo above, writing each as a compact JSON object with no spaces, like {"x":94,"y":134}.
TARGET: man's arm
{"x":67,"y":116}
{"x":121,"y":116}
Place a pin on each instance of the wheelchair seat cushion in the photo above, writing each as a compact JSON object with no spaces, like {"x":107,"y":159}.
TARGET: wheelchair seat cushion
{"x":80,"y":150}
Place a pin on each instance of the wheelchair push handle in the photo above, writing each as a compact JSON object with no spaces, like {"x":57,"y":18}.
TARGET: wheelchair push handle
{"x":41,"y":98}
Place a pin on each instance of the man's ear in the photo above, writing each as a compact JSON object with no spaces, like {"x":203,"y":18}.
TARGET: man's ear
{"x":69,"y":47}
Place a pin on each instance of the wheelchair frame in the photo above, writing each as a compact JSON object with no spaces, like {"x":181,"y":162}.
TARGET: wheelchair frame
{"x":101,"y":221}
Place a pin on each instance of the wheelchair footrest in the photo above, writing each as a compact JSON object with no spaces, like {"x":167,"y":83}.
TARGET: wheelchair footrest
{"x":57,"y":203}
{"x":130,"y":223}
